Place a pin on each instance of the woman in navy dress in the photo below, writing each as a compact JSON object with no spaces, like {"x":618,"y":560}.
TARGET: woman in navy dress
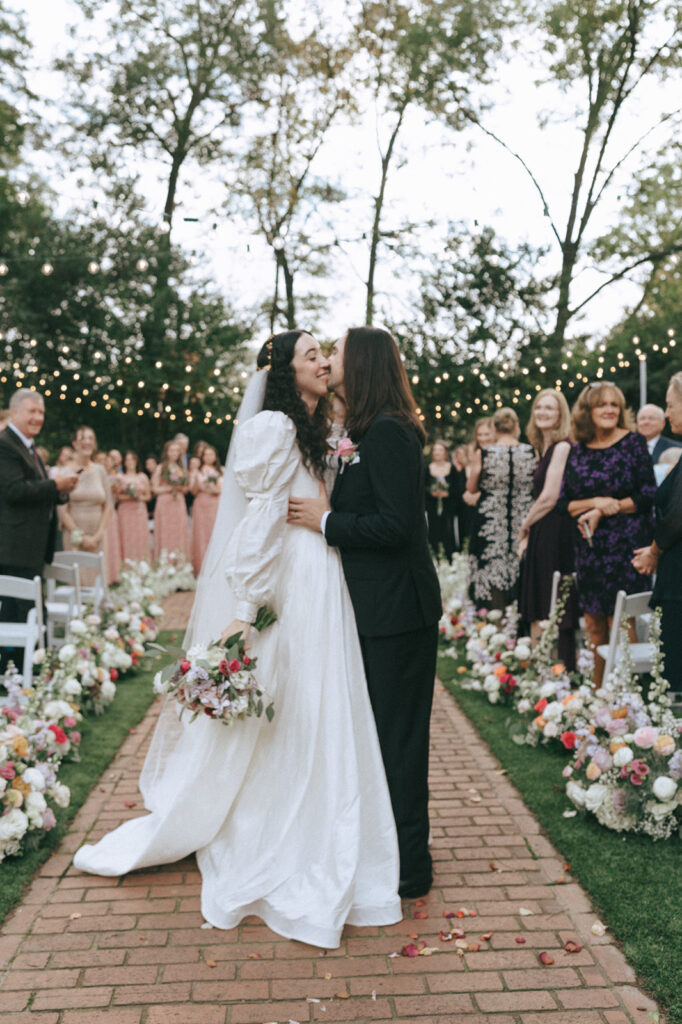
{"x":546,"y":536}
{"x":609,"y":490}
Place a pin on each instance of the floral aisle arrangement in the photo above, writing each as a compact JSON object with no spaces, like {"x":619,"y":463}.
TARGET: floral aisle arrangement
{"x":624,"y":742}
{"x":627,"y":756}
{"x":39,"y":718}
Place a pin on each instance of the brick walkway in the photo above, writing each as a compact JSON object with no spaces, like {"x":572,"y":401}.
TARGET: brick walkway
{"x":85,"y":950}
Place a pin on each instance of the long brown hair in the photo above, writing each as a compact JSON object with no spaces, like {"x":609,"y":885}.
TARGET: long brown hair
{"x":374,"y":381}
{"x":583,"y":427}
{"x":562,"y":429}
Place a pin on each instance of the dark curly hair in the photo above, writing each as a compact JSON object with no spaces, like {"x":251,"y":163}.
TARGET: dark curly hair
{"x":281,"y":396}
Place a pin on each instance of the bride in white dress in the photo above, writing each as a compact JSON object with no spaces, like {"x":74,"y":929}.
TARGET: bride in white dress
{"x":290,"y":820}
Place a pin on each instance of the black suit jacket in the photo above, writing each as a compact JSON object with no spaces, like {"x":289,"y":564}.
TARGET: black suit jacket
{"x":668,"y":537}
{"x":28,"y":520}
{"x":661,"y":445}
{"x":378,"y":524}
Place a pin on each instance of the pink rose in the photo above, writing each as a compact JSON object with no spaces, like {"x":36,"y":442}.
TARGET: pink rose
{"x":69,"y":722}
{"x":639,"y":767}
{"x":617,"y":727}
{"x":646,"y":737}
{"x":185,"y":666}
{"x":75,"y":736}
{"x":113,"y":674}
{"x":636,"y":780}
{"x":602,"y":758}
{"x":235,"y":665}
{"x":344,"y":447}
{"x":568,"y":739}
{"x":593,"y":771}
{"x":49,"y":820}
{"x":7,"y":771}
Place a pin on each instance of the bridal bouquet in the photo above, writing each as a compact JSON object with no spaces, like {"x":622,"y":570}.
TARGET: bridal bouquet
{"x":217,"y":680}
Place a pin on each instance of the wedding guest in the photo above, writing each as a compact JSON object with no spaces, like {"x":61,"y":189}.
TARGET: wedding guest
{"x":650,"y":424}
{"x":113,"y":538}
{"x":440,"y":500}
{"x":64,"y":462}
{"x":133,"y":490}
{"x":183,"y":441}
{"x":193,"y":467}
{"x":608,"y":489}
{"x":666,"y":461}
{"x":463,"y":512}
{"x":664,"y":555}
{"x":150,"y":464}
{"x":484,"y":435}
{"x":206,"y":484}
{"x":170,"y":484}
{"x":503,"y":474}
{"x":86,"y":516}
{"x":28,"y":499}
{"x":545,"y":535}
{"x":116,"y":460}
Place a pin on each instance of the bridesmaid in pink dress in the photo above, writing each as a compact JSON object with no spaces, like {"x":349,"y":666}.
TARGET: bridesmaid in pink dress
{"x":170,"y":484}
{"x":133,"y":493}
{"x":205,"y":485}
{"x":113,"y":544}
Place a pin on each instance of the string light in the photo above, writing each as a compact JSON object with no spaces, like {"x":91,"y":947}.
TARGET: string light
{"x":47,"y":268}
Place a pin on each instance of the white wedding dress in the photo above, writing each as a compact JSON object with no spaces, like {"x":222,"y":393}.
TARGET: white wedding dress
{"x":290,"y":820}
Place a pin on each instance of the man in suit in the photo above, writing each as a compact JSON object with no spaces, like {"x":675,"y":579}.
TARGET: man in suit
{"x":377,"y":521}
{"x":650,"y":423}
{"x":28,"y":499}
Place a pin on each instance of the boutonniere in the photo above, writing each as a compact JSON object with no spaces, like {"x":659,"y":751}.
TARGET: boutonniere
{"x":347,"y":452}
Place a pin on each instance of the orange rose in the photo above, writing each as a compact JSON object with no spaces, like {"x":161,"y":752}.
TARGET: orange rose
{"x":500,"y":670}
{"x":615,"y":745}
{"x":20,"y":746}
{"x":462,"y":669}
{"x":619,"y":713}
{"x":568,"y":699}
{"x":558,"y":669}
{"x":540,"y":722}
{"x":21,"y":786}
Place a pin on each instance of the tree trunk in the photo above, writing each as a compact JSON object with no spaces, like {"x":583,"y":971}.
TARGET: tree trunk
{"x":378,"y":210}
{"x":289,"y":287}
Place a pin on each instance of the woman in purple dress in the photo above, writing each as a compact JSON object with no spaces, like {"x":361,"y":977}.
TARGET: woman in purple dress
{"x":609,"y":489}
{"x":546,"y":536}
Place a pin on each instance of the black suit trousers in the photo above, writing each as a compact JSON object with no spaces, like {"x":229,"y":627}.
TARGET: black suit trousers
{"x":400,"y":674}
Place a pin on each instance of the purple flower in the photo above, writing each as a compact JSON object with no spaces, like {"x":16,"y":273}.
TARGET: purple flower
{"x":49,"y":820}
{"x":602,"y":759}
{"x":617,"y":727}
{"x":602,"y":717}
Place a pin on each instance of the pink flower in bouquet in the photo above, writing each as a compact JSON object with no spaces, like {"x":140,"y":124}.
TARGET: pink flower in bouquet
{"x":49,"y":820}
{"x":602,"y":758}
{"x":636,"y":779}
{"x":567,"y":771}
{"x":247,"y":660}
{"x":235,"y":665}
{"x":602,"y":717}
{"x":541,"y":705}
{"x":224,"y":668}
{"x":7,"y":771}
{"x":185,"y":666}
{"x":568,"y":739}
{"x":9,"y":713}
{"x":665,"y":745}
{"x":618,"y":800}
{"x":58,"y":732}
{"x":69,"y":722}
{"x":113,"y":674}
{"x":617,"y":727}
{"x":639,"y":767}
{"x":646,"y":737}
{"x":593,"y":771}
{"x":75,"y":736}
{"x":344,"y":447}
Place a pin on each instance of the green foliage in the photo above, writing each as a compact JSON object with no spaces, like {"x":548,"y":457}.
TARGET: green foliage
{"x":635,"y":885}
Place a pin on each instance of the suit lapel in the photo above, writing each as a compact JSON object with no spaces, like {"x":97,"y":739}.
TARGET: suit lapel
{"x":19,"y":446}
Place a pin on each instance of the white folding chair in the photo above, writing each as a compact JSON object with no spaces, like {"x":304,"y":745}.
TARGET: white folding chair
{"x":63,"y":603}
{"x":27,"y":634}
{"x":642,"y":654}
{"x":85,"y":560}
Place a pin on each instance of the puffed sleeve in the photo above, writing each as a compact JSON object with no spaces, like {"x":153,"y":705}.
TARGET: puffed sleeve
{"x":266,"y":459}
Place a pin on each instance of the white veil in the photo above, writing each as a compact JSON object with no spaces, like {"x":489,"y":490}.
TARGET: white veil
{"x":214,"y":602}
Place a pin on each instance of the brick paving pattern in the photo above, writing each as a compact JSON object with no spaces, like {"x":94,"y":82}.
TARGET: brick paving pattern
{"x":87,"y":950}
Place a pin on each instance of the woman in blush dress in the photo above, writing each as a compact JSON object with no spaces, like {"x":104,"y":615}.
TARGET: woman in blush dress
{"x":503,"y":474}
{"x":205,"y":484}
{"x":170,"y":484}
{"x":546,"y":536}
{"x":105,"y":460}
{"x":291,"y":819}
{"x":609,"y":489}
{"x":86,"y":516}
{"x":133,"y":492}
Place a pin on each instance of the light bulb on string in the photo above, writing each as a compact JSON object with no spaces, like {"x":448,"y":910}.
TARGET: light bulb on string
{"x":4,"y":270}
{"x":93,"y":267}
{"x":23,"y":197}
{"x":142,"y":264}
{"x":47,"y":268}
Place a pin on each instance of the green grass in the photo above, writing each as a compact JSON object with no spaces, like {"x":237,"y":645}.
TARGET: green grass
{"x":102,"y":738}
{"x":635,"y":884}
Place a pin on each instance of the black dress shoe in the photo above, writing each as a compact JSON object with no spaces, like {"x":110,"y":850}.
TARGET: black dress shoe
{"x":413,"y":888}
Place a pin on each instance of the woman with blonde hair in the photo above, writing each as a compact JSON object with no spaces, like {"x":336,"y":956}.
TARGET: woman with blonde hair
{"x":546,"y":536}
{"x":609,"y":490}
{"x":85,"y":519}
{"x":503,"y":473}
{"x":664,"y":555}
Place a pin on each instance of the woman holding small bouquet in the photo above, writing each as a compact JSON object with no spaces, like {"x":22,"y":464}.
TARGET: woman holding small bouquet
{"x":205,"y":484}
{"x":86,"y":517}
{"x":291,"y":819}
{"x":133,"y":492}
{"x":441,"y":501}
{"x":170,"y":484}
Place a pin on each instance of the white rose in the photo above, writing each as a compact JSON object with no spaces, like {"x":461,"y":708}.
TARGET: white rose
{"x":13,"y":825}
{"x":66,"y":652}
{"x":39,"y":656}
{"x":524,"y":706}
{"x":135,"y":607}
{"x":34,"y":778}
{"x":35,"y":808}
{"x":487,"y":631}
{"x":498,"y":640}
{"x":77,"y":627}
{"x":60,"y":793}
{"x":3,"y":786}
{"x":494,"y":697}
{"x":111,"y":633}
{"x":575,"y":793}
{"x":622,"y":757}
{"x":522,"y":652}
{"x":664,"y":788}
{"x":494,"y":616}
{"x":93,"y":619}
{"x":56,"y":709}
{"x":553,"y":711}
{"x":72,"y":688}
{"x":547,"y":690}
{"x":595,"y":796}
{"x":491,"y":684}
{"x":155,"y":610}
{"x":550,"y":730}
{"x":108,"y":690}
{"x":122,"y":618}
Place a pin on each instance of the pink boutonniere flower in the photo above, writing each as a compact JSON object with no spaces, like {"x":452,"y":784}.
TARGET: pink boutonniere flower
{"x":346,"y":451}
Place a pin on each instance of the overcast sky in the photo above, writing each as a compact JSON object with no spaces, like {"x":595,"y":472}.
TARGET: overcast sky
{"x":444,"y":177}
